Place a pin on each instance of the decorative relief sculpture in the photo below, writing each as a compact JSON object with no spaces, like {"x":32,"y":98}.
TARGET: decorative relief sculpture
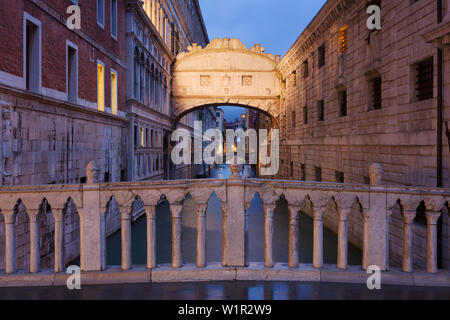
{"x":247,"y":81}
{"x":6,"y":142}
{"x":205,"y":81}
{"x":376,"y":174}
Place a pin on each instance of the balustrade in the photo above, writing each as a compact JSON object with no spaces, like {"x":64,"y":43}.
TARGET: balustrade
{"x":235,"y":196}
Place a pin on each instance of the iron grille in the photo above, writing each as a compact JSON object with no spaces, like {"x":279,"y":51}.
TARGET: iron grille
{"x":424,"y":79}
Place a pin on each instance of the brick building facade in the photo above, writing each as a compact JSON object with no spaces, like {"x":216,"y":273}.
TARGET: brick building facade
{"x":68,"y":97}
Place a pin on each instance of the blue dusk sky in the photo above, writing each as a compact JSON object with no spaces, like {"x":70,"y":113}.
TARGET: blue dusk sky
{"x":274,"y":24}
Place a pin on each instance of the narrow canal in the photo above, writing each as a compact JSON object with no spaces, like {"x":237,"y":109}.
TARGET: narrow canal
{"x":214,"y":234}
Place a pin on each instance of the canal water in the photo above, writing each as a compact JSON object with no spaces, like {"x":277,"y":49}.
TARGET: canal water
{"x":214,"y":234}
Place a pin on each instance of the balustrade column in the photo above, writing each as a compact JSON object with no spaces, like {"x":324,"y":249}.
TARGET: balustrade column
{"x":10,"y":241}
{"x":268,"y":236}
{"x":103,"y":240}
{"x":342,"y":254}
{"x":59,"y":240}
{"x":293,"y":236}
{"x":366,"y":240}
{"x":126,"y":239}
{"x":408,"y":218}
{"x":34,"y":242}
{"x":318,"y":238}
{"x":432,"y":263}
{"x":151,"y":236}
{"x":201,"y":236}
{"x":176,"y":236}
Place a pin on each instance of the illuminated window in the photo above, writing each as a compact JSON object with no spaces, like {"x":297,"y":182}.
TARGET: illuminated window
{"x":114,"y":92}
{"x":343,"y":39}
{"x":142,"y":140}
{"x":100,"y":86}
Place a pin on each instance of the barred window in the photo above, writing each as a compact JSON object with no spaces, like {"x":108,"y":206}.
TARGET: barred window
{"x":343,"y":39}
{"x":339,"y":177}
{"x":342,"y":99}
{"x":305,"y":69}
{"x":320,"y":110}
{"x":303,"y":169}
{"x":424,"y":79}
{"x":293,"y":119}
{"x":305,"y":115}
{"x":375,"y":94}
{"x":318,"y":174}
{"x":321,"y":53}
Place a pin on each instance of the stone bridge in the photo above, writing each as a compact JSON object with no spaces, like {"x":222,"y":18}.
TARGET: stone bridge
{"x":226,"y":73}
{"x":371,"y":205}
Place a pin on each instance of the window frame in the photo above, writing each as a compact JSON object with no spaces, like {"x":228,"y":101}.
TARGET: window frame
{"x":100,"y":63}
{"x":73,"y":46}
{"x":116,"y":20}
{"x":101,"y":24}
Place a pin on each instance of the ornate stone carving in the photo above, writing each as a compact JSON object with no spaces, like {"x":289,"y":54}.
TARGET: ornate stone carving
{"x":6,"y":142}
{"x":376,"y":175}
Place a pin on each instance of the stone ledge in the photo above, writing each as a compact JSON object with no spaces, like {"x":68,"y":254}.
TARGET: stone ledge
{"x":190,"y":273}
{"x":215,"y":272}
{"x":280,"y":272}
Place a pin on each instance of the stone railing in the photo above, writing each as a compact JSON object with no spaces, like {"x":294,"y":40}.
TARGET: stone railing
{"x":375,"y":203}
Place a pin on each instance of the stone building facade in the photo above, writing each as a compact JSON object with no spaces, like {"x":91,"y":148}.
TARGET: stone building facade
{"x":355,"y":96}
{"x":156,"y":33}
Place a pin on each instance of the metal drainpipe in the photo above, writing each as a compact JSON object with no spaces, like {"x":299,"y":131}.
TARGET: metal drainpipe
{"x":440,"y":101}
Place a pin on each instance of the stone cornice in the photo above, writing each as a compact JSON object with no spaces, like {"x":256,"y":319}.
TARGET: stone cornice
{"x":64,"y":105}
{"x":439,"y":36}
{"x":327,"y":15}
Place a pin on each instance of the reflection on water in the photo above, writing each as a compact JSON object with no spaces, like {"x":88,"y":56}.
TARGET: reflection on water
{"x":214,"y":234}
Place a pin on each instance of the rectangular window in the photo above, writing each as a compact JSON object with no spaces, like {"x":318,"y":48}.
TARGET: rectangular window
{"x":292,"y":170}
{"x":305,"y":69}
{"x":342,"y":99}
{"x":100,"y":86}
{"x":72,"y":73}
{"x":32,"y":54}
{"x":318,"y":174}
{"x":424,"y":79}
{"x":339,"y":177}
{"x":101,"y":13}
{"x":141,"y":138}
{"x":375,"y":99}
{"x":321,"y":53}
{"x":114,"y":19}
{"x":320,"y":110}
{"x":303,"y":169}
{"x":114,"y":93}
{"x":343,"y":39}
{"x":293,"y":119}
{"x":147,"y":138}
{"x":136,"y":140}
{"x":305,"y":115}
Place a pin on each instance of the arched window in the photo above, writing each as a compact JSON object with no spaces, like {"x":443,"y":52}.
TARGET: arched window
{"x":152,"y":86}
{"x":142,"y":79}
{"x":147,"y":82}
{"x":136,"y":74}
